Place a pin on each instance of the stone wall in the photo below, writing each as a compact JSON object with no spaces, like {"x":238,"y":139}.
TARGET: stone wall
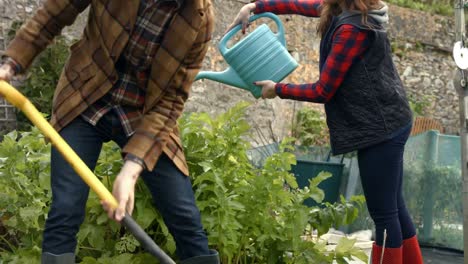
{"x":424,"y":61}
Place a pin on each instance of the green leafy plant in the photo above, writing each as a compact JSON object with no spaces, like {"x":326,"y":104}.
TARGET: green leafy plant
{"x":419,"y":105}
{"x":266,"y":216}
{"x":310,"y":128}
{"x":24,"y":192}
{"x":252,"y":215}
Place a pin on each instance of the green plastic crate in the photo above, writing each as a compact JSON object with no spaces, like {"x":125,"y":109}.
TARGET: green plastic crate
{"x":305,"y":170}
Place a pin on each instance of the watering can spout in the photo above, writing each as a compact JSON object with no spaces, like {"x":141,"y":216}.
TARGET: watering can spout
{"x":229,"y":77}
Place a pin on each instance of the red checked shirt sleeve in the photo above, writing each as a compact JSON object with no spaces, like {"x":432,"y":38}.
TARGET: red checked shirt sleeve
{"x":349,"y":43}
{"x":310,"y":8}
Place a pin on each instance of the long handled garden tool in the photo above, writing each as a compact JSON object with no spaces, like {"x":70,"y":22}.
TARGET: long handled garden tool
{"x":21,"y":102}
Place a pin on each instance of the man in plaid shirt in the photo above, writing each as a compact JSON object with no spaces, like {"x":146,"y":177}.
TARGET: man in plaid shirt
{"x":126,"y":80}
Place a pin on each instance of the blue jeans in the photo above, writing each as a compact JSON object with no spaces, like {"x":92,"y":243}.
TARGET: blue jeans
{"x":171,"y":191}
{"x":381,"y":170}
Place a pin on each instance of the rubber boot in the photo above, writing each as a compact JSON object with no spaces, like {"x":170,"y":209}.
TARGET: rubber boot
{"x":412,"y":251}
{"x":49,"y":258}
{"x":213,"y":258}
{"x":390,"y":255}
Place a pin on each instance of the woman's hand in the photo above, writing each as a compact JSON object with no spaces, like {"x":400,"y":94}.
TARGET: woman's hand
{"x":124,"y":190}
{"x":268,"y":89}
{"x":242,"y":18}
{"x":6,"y":72}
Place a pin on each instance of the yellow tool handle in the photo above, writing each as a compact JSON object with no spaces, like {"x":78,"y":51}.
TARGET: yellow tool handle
{"x":17,"y":99}
{"x":21,"y":102}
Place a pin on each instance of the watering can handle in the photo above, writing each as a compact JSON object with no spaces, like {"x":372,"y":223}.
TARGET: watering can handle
{"x":280,"y":35}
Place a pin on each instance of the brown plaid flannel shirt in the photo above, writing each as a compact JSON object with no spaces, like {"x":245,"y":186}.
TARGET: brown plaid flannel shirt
{"x":90,"y":72}
{"x":127,"y":97}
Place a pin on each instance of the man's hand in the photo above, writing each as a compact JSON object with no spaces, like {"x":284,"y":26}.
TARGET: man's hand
{"x":268,"y":89}
{"x":6,"y":72}
{"x":124,"y":190}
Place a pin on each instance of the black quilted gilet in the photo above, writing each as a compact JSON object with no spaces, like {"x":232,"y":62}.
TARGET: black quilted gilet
{"x":371,"y":104}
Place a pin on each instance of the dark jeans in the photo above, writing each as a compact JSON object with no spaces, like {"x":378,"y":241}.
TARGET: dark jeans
{"x":381,"y":170}
{"x":171,"y":190}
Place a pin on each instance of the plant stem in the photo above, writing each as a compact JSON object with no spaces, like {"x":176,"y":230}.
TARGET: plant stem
{"x":12,"y":248}
{"x":90,"y":248}
{"x":238,"y":257}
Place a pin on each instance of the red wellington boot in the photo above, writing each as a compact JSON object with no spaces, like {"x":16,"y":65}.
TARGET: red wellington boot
{"x":412,"y":251}
{"x":390,"y":255}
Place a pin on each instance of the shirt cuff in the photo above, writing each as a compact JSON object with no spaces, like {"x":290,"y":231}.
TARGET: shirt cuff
{"x":259,"y":7}
{"x":15,"y":65}
{"x":135,"y":159}
{"x":279,"y":89}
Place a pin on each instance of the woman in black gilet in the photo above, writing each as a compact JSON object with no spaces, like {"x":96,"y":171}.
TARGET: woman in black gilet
{"x":366,"y":107}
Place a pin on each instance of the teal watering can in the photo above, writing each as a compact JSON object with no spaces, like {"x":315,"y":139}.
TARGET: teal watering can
{"x":261,"y":55}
